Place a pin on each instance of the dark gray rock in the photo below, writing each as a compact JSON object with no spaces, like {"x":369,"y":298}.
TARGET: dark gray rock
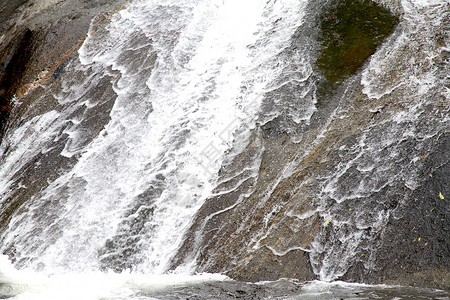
{"x":35,"y":53}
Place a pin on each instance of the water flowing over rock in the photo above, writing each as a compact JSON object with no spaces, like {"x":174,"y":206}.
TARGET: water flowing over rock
{"x":354,"y":193}
{"x":261,"y":140}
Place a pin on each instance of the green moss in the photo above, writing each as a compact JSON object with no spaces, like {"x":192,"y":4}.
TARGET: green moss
{"x":351,"y":30}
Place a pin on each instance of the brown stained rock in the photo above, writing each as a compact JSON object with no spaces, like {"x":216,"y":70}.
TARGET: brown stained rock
{"x":41,"y":44}
{"x":267,"y":235}
{"x":32,"y":62}
{"x":252,"y":239}
{"x":11,"y":73}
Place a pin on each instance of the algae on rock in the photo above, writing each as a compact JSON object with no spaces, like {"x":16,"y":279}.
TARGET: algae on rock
{"x":351,"y":30}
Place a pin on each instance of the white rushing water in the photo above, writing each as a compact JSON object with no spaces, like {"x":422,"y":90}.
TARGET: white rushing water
{"x":189,"y":79}
{"x":90,"y":285}
{"x":410,"y":69}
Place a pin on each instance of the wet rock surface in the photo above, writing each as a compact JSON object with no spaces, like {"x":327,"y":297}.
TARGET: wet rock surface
{"x":420,"y":227}
{"x":39,"y":41}
{"x":359,"y":192}
{"x":355,"y":196}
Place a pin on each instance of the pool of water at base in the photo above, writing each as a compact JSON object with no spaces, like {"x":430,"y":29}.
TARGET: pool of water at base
{"x":206,"y":287}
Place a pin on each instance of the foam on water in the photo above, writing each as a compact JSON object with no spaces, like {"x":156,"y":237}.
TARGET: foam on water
{"x":189,"y":79}
{"x":27,"y":284}
{"x":30,"y":285}
{"x":423,"y":29}
{"x":410,"y":71}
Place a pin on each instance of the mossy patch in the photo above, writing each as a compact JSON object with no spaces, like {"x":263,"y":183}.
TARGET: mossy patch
{"x":350,"y":31}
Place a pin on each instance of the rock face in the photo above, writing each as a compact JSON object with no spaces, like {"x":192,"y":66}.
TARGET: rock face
{"x":38,"y":41}
{"x":361,"y":193}
{"x":358,"y":192}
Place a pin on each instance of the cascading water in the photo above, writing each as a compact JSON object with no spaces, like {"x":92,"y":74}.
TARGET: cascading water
{"x":374,"y":162}
{"x":188,"y":78}
{"x":178,"y":71}
{"x":141,"y":128}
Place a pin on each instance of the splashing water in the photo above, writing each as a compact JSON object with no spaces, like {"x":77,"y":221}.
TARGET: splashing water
{"x":410,"y":71}
{"x":188,"y":79}
{"x":141,"y":123}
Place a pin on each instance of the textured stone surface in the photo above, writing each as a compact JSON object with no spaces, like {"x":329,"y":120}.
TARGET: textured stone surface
{"x":351,"y":30}
{"x":41,"y":40}
{"x":355,"y":198}
{"x":302,"y":213}
{"x":37,"y":40}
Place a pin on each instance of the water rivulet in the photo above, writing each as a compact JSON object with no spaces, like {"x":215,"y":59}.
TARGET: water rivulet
{"x":258,"y":139}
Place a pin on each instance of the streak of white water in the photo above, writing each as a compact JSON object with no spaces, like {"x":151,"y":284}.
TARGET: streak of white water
{"x":91,"y":285}
{"x":189,"y":77}
{"x":409,"y":69}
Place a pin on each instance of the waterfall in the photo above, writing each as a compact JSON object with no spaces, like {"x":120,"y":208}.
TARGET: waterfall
{"x":196,"y":136}
{"x":187,"y":81}
{"x":374,"y":166}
